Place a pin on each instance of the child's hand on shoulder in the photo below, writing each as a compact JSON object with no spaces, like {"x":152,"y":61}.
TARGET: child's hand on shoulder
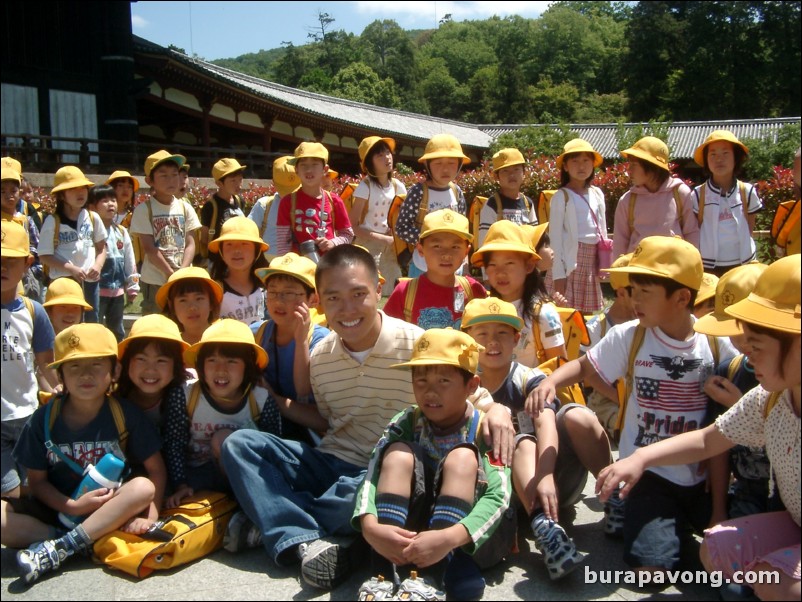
{"x":722,"y":391}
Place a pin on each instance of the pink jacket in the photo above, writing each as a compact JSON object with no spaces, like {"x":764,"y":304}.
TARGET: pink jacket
{"x":655,"y":214}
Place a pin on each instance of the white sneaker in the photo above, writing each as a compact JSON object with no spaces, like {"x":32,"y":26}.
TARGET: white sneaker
{"x":417,"y":588}
{"x":241,"y":533}
{"x":324,"y":562}
{"x":559,"y":552}
{"x":614,"y":515}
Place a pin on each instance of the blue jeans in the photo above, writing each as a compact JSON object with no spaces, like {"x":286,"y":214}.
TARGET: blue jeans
{"x":293,"y":492}
{"x":92,"y":296}
{"x":110,"y":314}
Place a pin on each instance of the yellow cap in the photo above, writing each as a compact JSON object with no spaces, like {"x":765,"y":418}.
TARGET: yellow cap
{"x":775,"y":301}
{"x":226,"y":167}
{"x":716,"y":136}
{"x":15,"y":240}
{"x":226,"y":331}
{"x":162,"y":156}
{"x":368,"y":143}
{"x":444,"y":146}
{"x":490,"y":309}
{"x":163,"y":294}
{"x":536,"y":233}
{"x":666,"y":257}
{"x":708,"y":288}
{"x":7,"y":173}
{"x":291,"y":264}
{"x":446,"y":220}
{"x":119,"y":175}
{"x":84,"y":341}
{"x":732,"y":287}
{"x":649,"y":149}
{"x":285,"y":180}
{"x":238,"y":228}
{"x":577,"y":145}
{"x":153,"y":326}
{"x":69,"y":176}
{"x":504,"y":235}
{"x":444,"y":347}
{"x":507,"y":157}
{"x":65,"y":291}
{"x":332,"y":175}
{"x":313,"y":150}
{"x":619,"y":279}
{"x":11,"y":163}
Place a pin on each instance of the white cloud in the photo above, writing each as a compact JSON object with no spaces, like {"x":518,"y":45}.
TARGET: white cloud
{"x":138,"y":22}
{"x":427,"y":14}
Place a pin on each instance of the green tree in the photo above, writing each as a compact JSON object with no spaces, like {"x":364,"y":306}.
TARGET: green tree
{"x":360,"y":83}
{"x":546,"y":140}
{"x":557,"y":100}
{"x":389,"y":51}
{"x":627,"y":135}
{"x":765,"y":153}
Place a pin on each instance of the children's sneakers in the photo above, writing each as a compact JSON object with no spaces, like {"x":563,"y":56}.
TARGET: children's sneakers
{"x":376,"y":588}
{"x":325,"y":562}
{"x":559,"y":552}
{"x":39,"y":559}
{"x":614,"y":515}
{"x":417,"y":588}
{"x":241,"y":533}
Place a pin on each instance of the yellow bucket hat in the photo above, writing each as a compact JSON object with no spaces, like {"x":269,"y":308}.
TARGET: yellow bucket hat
{"x":226,"y":331}
{"x":444,"y":146}
{"x":119,"y":175}
{"x":7,"y":173}
{"x":367,"y":144}
{"x":507,"y":157}
{"x":152,"y":326}
{"x":446,"y":220}
{"x":708,"y":289}
{"x":163,"y":294}
{"x":83,"y":341}
{"x":732,"y":287}
{"x":291,"y":264}
{"x":226,"y":167}
{"x":15,"y":240}
{"x":11,"y":163}
{"x":577,"y":145}
{"x":313,"y":150}
{"x":444,"y":347}
{"x":504,"y":235}
{"x":775,"y":302}
{"x":666,"y":257}
{"x":69,"y":176}
{"x":241,"y":229}
{"x":65,"y":291}
{"x":490,"y":309}
{"x":285,"y":180}
{"x":620,"y":279}
{"x":716,"y":136}
{"x":649,"y":149}
{"x":162,"y":156}
{"x":332,"y":175}
{"x":536,"y":233}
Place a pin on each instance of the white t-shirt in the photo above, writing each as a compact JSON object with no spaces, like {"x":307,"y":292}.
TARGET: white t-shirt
{"x":744,"y":423}
{"x":666,"y":397}
{"x":379,"y":199}
{"x":76,"y":245}
{"x":438,"y":199}
{"x":247,"y":309}
{"x":551,"y":333}
{"x":170,"y":227}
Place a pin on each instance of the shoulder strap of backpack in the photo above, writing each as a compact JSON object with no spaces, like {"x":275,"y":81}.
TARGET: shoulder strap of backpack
{"x":633,"y":198}
{"x":423,"y":208}
{"x":466,"y":288}
{"x":260,"y":333}
{"x":678,"y":202}
{"x":51,"y":412}
{"x":772,"y":401}
{"x":29,"y":305}
{"x":119,"y":420}
{"x":327,"y":197}
{"x":263,"y":227}
{"x":499,"y":207}
{"x":540,"y":351}
{"x":192,"y":402}
{"x":213,"y":223}
{"x":253,"y":405}
{"x":735,"y":365}
{"x":714,"y":348}
{"x":744,"y":195}
{"x":56,"y":228}
{"x":637,"y":342}
{"x":409,"y":298}
{"x":701,"y":214}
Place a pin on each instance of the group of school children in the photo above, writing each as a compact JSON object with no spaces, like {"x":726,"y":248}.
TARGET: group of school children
{"x":267,"y":369}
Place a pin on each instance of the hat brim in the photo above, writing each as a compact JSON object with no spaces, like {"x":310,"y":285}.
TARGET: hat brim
{"x":163,"y":294}
{"x":756,"y":310}
{"x":645,"y":156}
{"x":444,"y":155}
{"x":716,"y":326}
{"x":477,"y":259}
{"x":73,"y":184}
{"x":179,"y":160}
{"x":214,"y":246}
{"x":67,"y":301}
{"x":111,"y":181}
{"x":191,"y":354}
{"x":647,"y":272}
{"x":123,"y":345}
{"x":241,"y":168}
{"x":264,"y":273}
{"x":80,"y":356}
{"x":429,"y":361}
{"x":388,"y":141}
{"x":14,"y":253}
{"x":463,"y":235}
{"x":516,"y":322}
{"x":597,"y":158}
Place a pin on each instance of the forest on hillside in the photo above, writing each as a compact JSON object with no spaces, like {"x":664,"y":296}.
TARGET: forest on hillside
{"x":579,"y":62}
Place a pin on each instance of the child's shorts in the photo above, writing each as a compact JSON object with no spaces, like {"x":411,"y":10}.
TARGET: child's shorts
{"x":13,"y":475}
{"x":742,"y":543}
{"x":659,"y":520}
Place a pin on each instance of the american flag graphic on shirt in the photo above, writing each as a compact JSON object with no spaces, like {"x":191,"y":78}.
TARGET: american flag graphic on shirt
{"x":668,"y":395}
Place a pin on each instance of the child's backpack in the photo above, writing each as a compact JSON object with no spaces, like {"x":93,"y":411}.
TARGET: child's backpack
{"x":475,"y":212}
{"x":701,"y":193}
{"x":785,"y":230}
{"x":181,"y":535}
{"x":56,"y":228}
{"x":412,"y":290}
{"x":347,"y":195}
{"x":202,"y":248}
{"x":544,"y":205}
{"x":569,"y":394}
{"x":625,"y":385}
{"x":575,"y":332}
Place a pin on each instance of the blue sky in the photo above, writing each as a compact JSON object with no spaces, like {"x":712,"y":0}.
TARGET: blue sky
{"x":215,"y":30}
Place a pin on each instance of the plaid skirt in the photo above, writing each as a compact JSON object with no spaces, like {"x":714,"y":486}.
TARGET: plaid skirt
{"x":582,"y":288}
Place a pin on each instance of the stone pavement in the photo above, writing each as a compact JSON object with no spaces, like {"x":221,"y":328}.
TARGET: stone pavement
{"x":251,"y":576}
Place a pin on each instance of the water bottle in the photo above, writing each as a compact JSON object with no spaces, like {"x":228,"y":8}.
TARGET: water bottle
{"x":108,"y":473}
{"x":308,"y":249}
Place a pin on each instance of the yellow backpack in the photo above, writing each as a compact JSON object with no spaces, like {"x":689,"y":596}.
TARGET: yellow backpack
{"x":575,"y":332}
{"x":475,"y":211}
{"x":544,"y":205}
{"x":785,"y":230}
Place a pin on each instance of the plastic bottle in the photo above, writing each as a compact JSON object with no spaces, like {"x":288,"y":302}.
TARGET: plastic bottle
{"x":107,"y":473}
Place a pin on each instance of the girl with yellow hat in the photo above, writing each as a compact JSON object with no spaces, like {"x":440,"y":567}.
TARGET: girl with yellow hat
{"x":372,"y":199}
{"x":724,"y":205}
{"x":125,"y":188}
{"x":191,"y":299}
{"x":767,"y":415}
{"x":235,"y":255}
{"x":222,"y":400}
{"x":658,"y":204}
